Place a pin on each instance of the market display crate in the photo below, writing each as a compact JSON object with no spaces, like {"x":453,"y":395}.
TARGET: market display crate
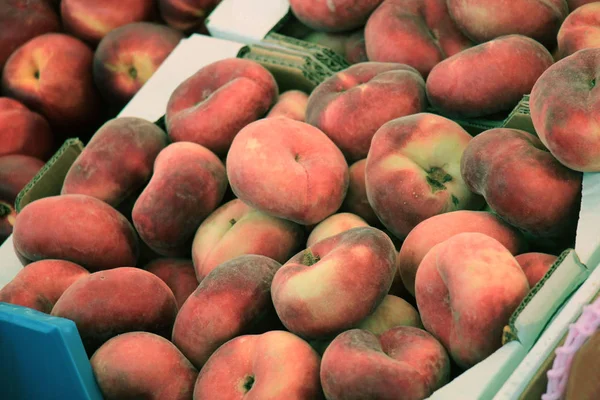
{"x":298,"y":68}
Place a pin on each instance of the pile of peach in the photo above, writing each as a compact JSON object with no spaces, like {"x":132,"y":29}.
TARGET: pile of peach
{"x":342,"y":244}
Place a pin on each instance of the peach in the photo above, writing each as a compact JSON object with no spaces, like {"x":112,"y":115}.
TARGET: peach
{"x":355,"y":49}
{"x":403,"y":362}
{"x":186,"y":15}
{"x":356,"y":201}
{"x":233,"y":90}
{"x":75,"y":228}
{"x":413,"y":171}
{"x":22,"y":20}
{"x":178,"y":274}
{"x":274,"y":365}
{"x":8,"y":215}
{"x":23,"y":131}
{"x":441,"y":227}
{"x":489,"y":78}
{"x":15,"y":173}
{"x":228,"y":303}
{"x":52,"y":74}
{"x":91,"y":20}
{"x":563,"y":106}
{"x":117,"y":161}
{"x":333,"y":225}
{"x":108,"y":303}
{"x":188,"y":183}
{"x":128,"y":56}
{"x":236,"y":229}
{"x":419,"y":33}
{"x":535,"y":265}
{"x":288,"y":169}
{"x":143,"y":365}
{"x":484,"y":21}
{"x":351,"y":105}
{"x":467,"y":287}
{"x":334,"y":284}
{"x":581,"y":30}
{"x":40,"y":284}
{"x":291,"y":104}
{"x":392,"y":312}
{"x":522,"y":182}
{"x":333,"y":15}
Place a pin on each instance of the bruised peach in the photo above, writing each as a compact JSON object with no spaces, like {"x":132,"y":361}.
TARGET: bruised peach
{"x":108,"y":303}
{"x":288,"y":169}
{"x":467,"y":287}
{"x":142,"y":365}
{"x":76,"y":228}
{"x":40,"y":284}
{"x":236,"y":229}
{"x":188,"y":183}
{"x":117,"y":161}
{"x":229,"y":302}
{"x":350,"y":106}
{"x":489,"y":78}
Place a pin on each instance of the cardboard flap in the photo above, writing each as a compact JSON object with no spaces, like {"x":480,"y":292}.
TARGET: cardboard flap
{"x":191,"y":54}
{"x":246,"y":21}
{"x":530,"y":319}
{"x":48,"y":181}
{"x":520,"y":118}
{"x":587,"y":241}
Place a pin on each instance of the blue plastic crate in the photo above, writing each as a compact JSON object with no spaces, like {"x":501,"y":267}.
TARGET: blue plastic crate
{"x":42,"y":357}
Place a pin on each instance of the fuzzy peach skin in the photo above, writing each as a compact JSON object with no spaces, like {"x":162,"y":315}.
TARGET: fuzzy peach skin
{"x":108,"y":303}
{"x":413,"y":171}
{"x":441,"y":227}
{"x":489,"y":78}
{"x":402,"y":363}
{"x":291,"y":104}
{"x":188,"y":183}
{"x":128,"y":56}
{"x":91,"y":20}
{"x":228,"y":302}
{"x":76,"y":228}
{"x":274,"y":365}
{"x":333,"y":15}
{"x":333,"y":225}
{"x":564,"y":104}
{"x":8,"y":216}
{"x":535,"y":265}
{"x":211,"y":106}
{"x":334,"y":284}
{"x":40,"y":284}
{"x":178,"y":274}
{"x":467,"y":287}
{"x":522,"y":182}
{"x":484,"y":21}
{"x":52,"y":75}
{"x":419,"y":33}
{"x":23,"y":131}
{"x":573,"y":4}
{"x":392,"y":312}
{"x":356,"y":201}
{"x":15,"y":173}
{"x":22,"y":20}
{"x":143,"y":365}
{"x":236,"y":229}
{"x":288,"y":169}
{"x":186,"y":15}
{"x":581,"y":30}
{"x":117,"y":161}
{"x":350,"y":106}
